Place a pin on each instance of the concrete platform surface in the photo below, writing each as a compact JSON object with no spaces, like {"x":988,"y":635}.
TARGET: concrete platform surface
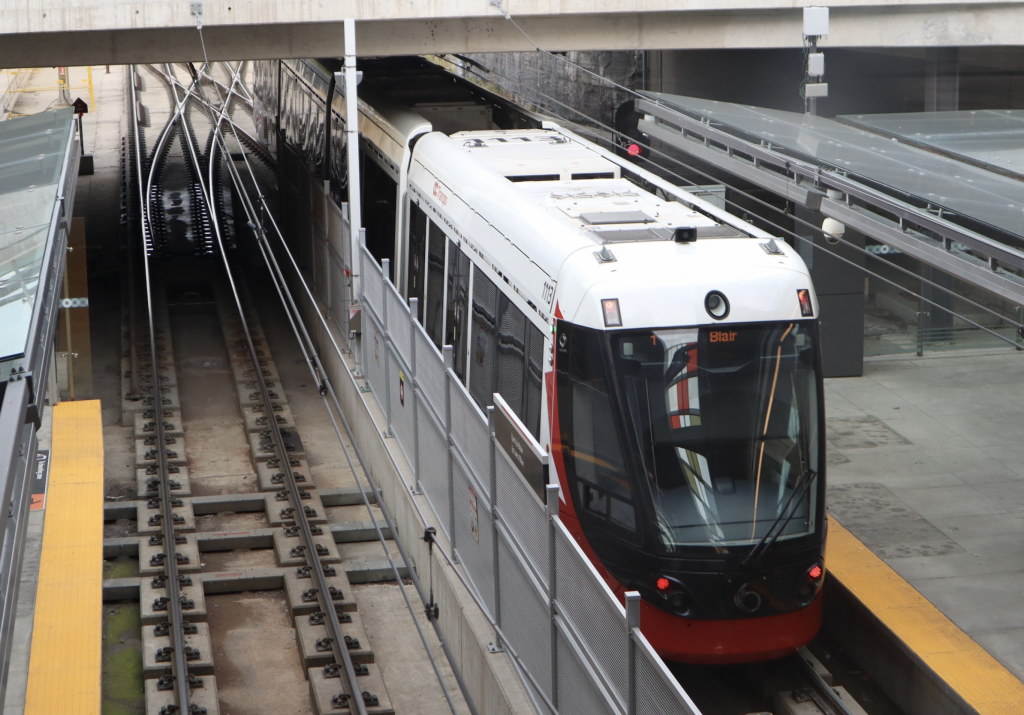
{"x":926,"y":468}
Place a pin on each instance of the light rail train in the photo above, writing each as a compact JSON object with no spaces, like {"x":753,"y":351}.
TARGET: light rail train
{"x":668,"y":360}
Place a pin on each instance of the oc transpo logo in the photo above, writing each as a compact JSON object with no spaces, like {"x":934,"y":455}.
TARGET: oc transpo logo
{"x":440,"y":195}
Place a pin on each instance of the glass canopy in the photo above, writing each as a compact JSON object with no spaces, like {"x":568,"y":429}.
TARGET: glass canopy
{"x":941,"y":179}
{"x":33,"y":153}
{"x":990,"y":138}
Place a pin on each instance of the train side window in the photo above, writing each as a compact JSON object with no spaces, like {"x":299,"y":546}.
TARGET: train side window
{"x":481,"y":349}
{"x":458,"y":307}
{"x":593,"y":455}
{"x":417,"y":255}
{"x":511,"y":354}
{"x":534,"y":377}
{"x":434,"y":318}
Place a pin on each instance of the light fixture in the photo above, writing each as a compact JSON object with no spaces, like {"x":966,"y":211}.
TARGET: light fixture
{"x":717,"y":305}
{"x":833,"y":230}
{"x":612,"y":317}
{"x":803,"y":296}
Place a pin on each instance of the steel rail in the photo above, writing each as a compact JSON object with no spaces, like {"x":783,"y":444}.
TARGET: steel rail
{"x":250,"y":140}
{"x":179,"y":664}
{"x":316,"y":568}
{"x":823,"y":695}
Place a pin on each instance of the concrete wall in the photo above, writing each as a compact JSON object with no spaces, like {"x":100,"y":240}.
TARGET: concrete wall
{"x":78,"y":32}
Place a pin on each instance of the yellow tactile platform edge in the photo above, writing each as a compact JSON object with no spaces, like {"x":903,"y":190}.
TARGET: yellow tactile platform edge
{"x":64,"y":669}
{"x":964,"y":665}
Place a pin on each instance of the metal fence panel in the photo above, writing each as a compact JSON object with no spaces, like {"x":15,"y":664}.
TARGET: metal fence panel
{"x":525,"y":619}
{"x":429,"y":370}
{"x":576,"y":690}
{"x":523,"y":515}
{"x":585,"y":602}
{"x":339,"y":294}
{"x":376,"y":354}
{"x":469,"y":431}
{"x":403,"y":408}
{"x":433,"y":473}
{"x":398,"y":323}
{"x":474,"y":534}
{"x":657,"y":692}
{"x":372,"y":289}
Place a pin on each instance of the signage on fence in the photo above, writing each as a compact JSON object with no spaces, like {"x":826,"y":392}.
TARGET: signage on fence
{"x":522,"y":449}
{"x":41,"y":478}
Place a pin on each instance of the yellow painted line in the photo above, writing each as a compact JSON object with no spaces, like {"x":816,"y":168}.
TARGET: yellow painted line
{"x":92,"y":94}
{"x":964,"y":665}
{"x":64,"y":669}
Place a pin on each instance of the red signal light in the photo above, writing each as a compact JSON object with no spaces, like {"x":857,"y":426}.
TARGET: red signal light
{"x":633,"y":150}
{"x":814,"y":574}
{"x":662,"y":584}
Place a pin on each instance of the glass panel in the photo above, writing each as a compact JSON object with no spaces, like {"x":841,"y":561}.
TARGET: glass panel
{"x":485,"y":308}
{"x":511,"y":354}
{"x":724,"y":423}
{"x":534,"y":376}
{"x":434,"y":322}
{"x":417,"y":255}
{"x":458,"y":306}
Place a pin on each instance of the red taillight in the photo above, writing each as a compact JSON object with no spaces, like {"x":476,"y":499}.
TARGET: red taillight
{"x":662,"y":584}
{"x":633,"y":150}
{"x":814,"y":574}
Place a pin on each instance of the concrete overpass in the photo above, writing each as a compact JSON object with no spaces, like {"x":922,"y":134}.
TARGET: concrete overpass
{"x":79,"y":32}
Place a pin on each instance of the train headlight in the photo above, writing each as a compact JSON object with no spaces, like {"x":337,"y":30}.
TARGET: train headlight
{"x":717,"y":305}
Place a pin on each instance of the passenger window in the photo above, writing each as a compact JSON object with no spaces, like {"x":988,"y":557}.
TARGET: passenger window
{"x":434,"y":322}
{"x":417,"y":255}
{"x":511,"y":354}
{"x":481,"y":347}
{"x":534,"y":377}
{"x":458,"y":307}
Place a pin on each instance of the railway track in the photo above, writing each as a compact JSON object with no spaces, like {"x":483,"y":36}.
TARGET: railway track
{"x":181,"y":212}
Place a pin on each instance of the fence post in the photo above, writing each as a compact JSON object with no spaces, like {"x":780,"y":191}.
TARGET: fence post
{"x":551,"y":492}
{"x":493,"y":453}
{"x":447,"y":352}
{"x":414,"y":384}
{"x":632,"y":623}
{"x":327,"y":244}
{"x":385,"y":272}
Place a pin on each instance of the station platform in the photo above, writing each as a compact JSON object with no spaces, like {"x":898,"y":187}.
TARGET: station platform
{"x":926,"y":501}
{"x":64,"y":669}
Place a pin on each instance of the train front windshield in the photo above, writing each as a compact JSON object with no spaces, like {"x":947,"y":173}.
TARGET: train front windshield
{"x":715,"y":430}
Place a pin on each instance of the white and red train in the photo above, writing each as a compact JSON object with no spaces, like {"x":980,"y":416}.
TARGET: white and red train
{"x":668,"y":360}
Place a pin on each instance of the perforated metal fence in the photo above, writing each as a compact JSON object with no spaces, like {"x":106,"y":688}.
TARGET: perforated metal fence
{"x":551,"y":608}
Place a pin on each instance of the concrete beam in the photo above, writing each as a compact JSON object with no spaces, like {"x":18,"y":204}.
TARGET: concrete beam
{"x":78,"y":32}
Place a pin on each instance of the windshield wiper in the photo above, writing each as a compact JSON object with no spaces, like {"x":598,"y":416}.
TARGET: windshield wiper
{"x":784,"y":517}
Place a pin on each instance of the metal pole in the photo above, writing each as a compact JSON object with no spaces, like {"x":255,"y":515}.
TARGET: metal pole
{"x":385,"y":272}
{"x":632,"y":624}
{"x":447,"y":353}
{"x":496,"y":568}
{"x":67,"y":326}
{"x":414,"y":311}
{"x":551,"y":492}
{"x":812,"y":102}
{"x":352,"y":145}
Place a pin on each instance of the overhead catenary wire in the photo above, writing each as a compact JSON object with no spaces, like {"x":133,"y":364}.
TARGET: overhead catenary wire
{"x":755,"y":199}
